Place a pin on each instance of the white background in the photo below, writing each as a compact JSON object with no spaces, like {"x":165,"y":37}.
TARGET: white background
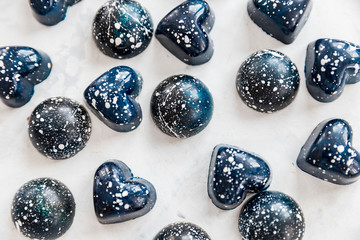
{"x":179,"y":168}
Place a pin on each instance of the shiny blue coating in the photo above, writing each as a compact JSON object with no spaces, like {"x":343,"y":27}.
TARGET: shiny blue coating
{"x":281,"y":19}
{"x":330,"y":65}
{"x":233,"y":174}
{"x":118,"y":195}
{"x":21,"y":68}
{"x":50,"y":12}
{"x":185,"y":32}
{"x":328,"y":153}
{"x":112,"y":98}
{"x":182,"y":231}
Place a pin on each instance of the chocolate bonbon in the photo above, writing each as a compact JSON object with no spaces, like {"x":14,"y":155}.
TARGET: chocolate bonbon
{"x":182,"y":231}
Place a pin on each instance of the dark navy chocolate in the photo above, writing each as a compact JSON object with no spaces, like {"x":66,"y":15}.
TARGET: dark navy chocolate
{"x":185,"y":32}
{"x":21,"y":68}
{"x":181,"y":106}
{"x":182,"y":231}
{"x":268,"y":81}
{"x":328,"y":153}
{"x":43,"y":208}
{"x":271,"y":216}
{"x":118,"y":195}
{"x":281,"y":19}
{"x":234,"y":173}
{"x":122,"y":28}
{"x":330,"y":65}
{"x":112,"y":98}
{"x":59,"y":128}
{"x":50,"y":12}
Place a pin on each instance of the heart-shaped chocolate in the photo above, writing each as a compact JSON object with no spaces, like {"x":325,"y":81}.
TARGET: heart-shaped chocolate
{"x":233,"y":174}
{"x":328,"y":153}
{"x":185,"y":32}
{"x":112,"y":98}
{"x":281,"y":19}
{"x":50,"y":12}
{"x":118,"y":195}
{"x":330,"y":65}
{"x":21,"y":68}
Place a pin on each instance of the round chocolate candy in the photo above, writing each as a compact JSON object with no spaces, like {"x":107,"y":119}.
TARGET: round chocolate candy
{"x":59,"y":127}
{"x":43,"y":208}
{"x":182,"y":231}
{"x":267,"y":81}
{"x":122,"y":28}
{"x":181,"y":106}
{"x":271,"y":215}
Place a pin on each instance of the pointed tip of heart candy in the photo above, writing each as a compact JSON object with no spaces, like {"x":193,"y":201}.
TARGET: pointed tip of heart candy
{"x":330,"y":65}
{"x":119,"y":196}
{"x":21,"y":68}
{"x":233,"y":174}
{"x":328,"y":153}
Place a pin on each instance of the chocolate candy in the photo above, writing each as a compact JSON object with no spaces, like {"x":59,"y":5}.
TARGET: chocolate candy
{"x":122,"y":28}
{"x":43,"y":208}
{"x":59,"y":127}
{"x":21,"y":68}
{"x":267,"y":81}
{"x":182,"y":231}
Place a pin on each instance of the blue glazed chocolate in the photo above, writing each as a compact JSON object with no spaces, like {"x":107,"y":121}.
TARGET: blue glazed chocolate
{"x":281,"y":19}
{"x":59,"y":128}
{"x":267,"y":81}
{"x":119,"y":196}
{"x":21,"y":68}
{"x":182,"y":231}
{"x":271,"y":215}
{"x":328,"y":153}
{"x":233,"y":174}
{"x":330,"y":65}
{"x":43,"y":208}
{"x":181,"y":106}
{"x":50,"y":12}
{"x":112,"y":98}
{"x":122,"y":28}
{"x":185,"y":32}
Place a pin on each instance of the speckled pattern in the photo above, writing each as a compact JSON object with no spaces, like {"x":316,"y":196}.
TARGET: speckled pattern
{"x":234,"y":173}
{"x":112,"y":98}
{"x":118,"y":195}
{"x":181,"y":106}
{"x":330,"y":64}
{"x":21,"y":68}
{"x":281,"y":19}
{"x":59,"y":127}
{"x":50,"y":12}
{"x":271,"y":216}
{"x":185,"y":32}
{"x":43,"y":208}
{"x":182,"y":231}
{"x":267,"y":81}
{"x":122,"y":28}
{"x":328,"y":153}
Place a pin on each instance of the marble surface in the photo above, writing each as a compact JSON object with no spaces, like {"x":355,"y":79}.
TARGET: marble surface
{"x":178,"y":168}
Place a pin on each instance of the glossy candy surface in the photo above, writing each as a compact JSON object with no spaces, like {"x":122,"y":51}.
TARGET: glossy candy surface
{"x":122,"y":28}
{"x":182,"y":231}
{"x":50,"y":12}
{"x":59,"y":127}
{"x":281,"y":19}
{"x":43,"y":208}
{"x":118,"y":195}
{"x":234,"y":173}
{"x":328,"y":153}
{"x":112,"y":98}
{"x":330,"y":65}
{"x":185,"y":32}
{"x":21,"y":68}
{"x":181,"y":106}
{"x":267,"y":81}
{"x":271,"y":215}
